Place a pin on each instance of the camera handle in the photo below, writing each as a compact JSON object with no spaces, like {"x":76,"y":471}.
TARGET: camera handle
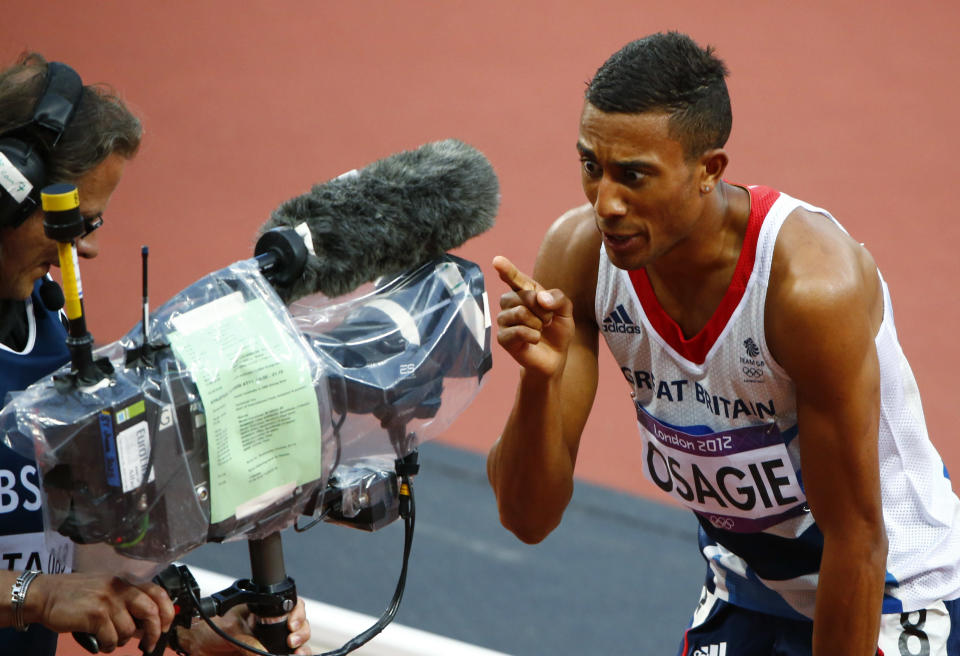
{"x":269,"y":594}
{"x":272,"y":593}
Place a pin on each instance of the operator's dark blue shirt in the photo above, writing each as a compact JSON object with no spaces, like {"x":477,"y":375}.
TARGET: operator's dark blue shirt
{"x":21,"y":518}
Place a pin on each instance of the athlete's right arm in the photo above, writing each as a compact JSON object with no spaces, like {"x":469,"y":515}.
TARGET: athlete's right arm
{"x":546,"y":324}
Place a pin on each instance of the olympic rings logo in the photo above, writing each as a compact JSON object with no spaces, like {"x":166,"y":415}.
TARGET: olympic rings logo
{"x":722,"y":522}
{"x":752,"y":372}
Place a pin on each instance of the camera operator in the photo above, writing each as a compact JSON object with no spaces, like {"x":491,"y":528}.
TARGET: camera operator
{"x":92,"y":151}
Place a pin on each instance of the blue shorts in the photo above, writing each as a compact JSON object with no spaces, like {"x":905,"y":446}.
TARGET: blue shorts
{"x":722,"y":629}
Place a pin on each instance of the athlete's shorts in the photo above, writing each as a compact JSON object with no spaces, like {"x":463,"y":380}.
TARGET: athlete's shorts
{"x":722,"y":629}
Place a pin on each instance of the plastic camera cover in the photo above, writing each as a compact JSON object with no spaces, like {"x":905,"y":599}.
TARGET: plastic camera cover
{"x":403,"y":357}
{"x":230,"y":422}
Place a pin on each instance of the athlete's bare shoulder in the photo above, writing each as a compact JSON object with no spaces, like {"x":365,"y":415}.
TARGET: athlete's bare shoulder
{"x":820,"y":275}
{"x":569,"y":257}
{"x":813,"y":255}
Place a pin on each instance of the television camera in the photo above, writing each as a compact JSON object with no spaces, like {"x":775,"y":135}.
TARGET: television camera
{"x":227,"y":415}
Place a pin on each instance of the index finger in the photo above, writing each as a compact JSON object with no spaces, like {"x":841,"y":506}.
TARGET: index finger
{"x":510,"y":274}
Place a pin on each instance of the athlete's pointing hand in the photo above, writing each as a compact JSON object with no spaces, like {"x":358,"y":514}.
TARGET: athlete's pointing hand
{"x":535,"y":325}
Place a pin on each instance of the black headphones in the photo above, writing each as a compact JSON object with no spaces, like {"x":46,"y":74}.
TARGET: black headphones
{"x":24,"y":149}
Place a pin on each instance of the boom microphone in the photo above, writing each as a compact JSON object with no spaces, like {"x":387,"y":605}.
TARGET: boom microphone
{"x":389,"y":216}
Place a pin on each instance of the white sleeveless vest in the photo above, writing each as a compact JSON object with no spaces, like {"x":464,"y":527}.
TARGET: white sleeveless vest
{"x":718,"y":421}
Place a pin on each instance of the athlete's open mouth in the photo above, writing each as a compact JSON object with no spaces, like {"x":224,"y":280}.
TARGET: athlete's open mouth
{"x":620,"y":242}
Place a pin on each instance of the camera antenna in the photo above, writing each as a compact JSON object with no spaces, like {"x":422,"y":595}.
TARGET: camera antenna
{"x":144,"y":252}
{"x":145,"y":355}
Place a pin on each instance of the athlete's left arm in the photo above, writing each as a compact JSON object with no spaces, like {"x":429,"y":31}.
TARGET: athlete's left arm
{"x":824,"y":307}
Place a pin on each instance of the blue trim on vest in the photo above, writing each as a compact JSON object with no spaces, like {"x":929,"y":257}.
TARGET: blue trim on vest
{"x":750,"y":592}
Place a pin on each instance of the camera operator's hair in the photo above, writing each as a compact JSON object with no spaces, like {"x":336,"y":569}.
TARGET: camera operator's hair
{"x":102,"y":124}
{"x":668,"y":72}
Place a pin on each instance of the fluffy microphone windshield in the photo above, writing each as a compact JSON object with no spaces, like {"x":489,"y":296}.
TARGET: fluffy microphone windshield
{"x":392,"y":215}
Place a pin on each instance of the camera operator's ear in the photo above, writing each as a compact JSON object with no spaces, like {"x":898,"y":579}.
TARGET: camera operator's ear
{"x":24,"y":149}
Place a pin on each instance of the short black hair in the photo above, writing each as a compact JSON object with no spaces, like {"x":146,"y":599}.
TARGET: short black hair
{"x":668,"y":72}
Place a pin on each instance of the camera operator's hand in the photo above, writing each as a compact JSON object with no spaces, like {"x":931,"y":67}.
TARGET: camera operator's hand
{"x":107,"y":607}
{"x":200,"y":640}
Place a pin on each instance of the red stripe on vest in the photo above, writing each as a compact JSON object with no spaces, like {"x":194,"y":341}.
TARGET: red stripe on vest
{"x":695,"y":348}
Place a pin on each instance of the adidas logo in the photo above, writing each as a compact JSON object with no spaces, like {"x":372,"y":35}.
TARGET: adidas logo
{"x":711,"y":650}
{"x":619,"y":321}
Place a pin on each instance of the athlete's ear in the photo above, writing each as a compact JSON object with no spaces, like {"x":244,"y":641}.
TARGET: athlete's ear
{"x":712,"y":165}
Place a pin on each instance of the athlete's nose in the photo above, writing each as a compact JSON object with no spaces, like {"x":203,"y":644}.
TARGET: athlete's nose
{"x":609,"y":202}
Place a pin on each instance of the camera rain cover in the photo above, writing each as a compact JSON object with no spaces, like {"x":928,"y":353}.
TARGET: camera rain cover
{"x":403,"y":357}
{"x":219,"y":436}
{"x":240,"y":414}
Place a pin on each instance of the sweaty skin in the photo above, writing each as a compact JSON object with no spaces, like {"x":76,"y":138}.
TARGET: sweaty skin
{"x":653,"y":207}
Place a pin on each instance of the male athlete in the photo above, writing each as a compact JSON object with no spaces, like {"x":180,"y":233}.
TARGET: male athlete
{"x":772,"y":396}
{"x":53,"y":129}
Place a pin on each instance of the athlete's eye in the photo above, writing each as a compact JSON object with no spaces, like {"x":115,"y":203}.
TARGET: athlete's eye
{"x":631,"y":176}
{"x":590,"y":167}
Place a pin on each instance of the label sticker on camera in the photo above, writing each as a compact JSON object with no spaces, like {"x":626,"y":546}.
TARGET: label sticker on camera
{"x":133,"y":454}
{"x":254,"y":377}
